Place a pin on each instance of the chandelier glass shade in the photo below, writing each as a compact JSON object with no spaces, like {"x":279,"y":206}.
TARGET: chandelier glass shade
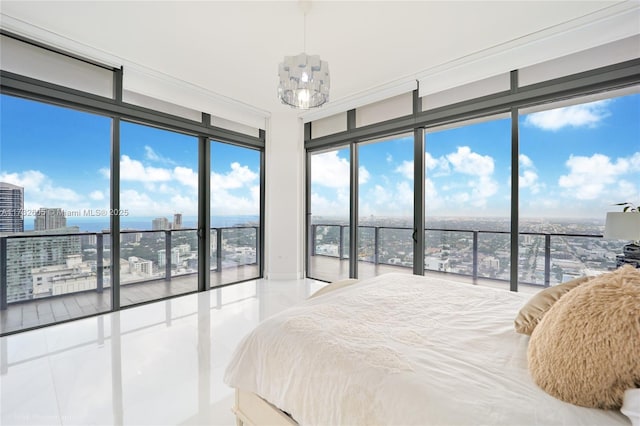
{"x":304,"y":81}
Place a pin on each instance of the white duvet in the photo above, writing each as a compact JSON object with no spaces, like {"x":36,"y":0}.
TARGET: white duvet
{"x":402,"y":350}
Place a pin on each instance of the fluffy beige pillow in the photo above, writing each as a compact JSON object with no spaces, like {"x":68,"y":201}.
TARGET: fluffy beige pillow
{"x":586,"y":349}
{"x":533,"y":311}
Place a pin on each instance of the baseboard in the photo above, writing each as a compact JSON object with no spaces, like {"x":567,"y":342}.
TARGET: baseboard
{"x":283,"y":275}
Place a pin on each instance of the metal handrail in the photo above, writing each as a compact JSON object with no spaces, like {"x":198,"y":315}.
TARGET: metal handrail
{"x":4,"y":242}
{"x":547,"y":247}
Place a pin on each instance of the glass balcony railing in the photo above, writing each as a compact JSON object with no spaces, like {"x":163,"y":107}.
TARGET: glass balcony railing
{"x":545,"y":259}
{"x":43,"y":265}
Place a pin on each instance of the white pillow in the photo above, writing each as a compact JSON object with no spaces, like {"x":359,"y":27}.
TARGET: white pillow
{"x":631,"y":405}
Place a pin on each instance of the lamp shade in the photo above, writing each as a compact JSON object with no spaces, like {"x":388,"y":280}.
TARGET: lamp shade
{"x":622,"y":226}
{"x":304,"y":81}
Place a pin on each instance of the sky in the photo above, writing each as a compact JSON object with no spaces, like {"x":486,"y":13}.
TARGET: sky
{"x":574,"y":162}
{"x":61,"y":158}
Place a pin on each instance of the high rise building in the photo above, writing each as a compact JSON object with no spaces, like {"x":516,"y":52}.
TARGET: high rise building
{"x":11,"y":208}
{"x":160,"y":224}
{"x":34,"y":250}
{"x":47,"y":218}
{"x":177,"y":221}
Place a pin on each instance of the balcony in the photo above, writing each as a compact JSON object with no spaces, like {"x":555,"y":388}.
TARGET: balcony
{"x":479,"y":257}
{"x":47,"y":278}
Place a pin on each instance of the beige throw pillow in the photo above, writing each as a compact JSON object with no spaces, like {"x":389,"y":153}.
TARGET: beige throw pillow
{"x":533,"y":311}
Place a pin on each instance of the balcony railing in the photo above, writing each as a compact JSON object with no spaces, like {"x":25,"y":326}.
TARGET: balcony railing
{"x":332,"y":240}
{"x":83,"y":258}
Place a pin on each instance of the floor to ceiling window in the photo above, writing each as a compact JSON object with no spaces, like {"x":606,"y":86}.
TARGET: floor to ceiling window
{"x":578,"y":158}
{"x":467,"y":199}
{"x":159,"y":213}
{"x":235,"y":213}
{"x":54,"y":213}
{"x":64,"y":194}
{"x":329,"y":216}
{"x":385,"y":209}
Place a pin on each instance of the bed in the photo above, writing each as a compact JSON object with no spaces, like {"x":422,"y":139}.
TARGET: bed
{"x":397,"y":349}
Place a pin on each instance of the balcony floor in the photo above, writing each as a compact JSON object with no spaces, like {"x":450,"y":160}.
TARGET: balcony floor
{"x":48,"y":310}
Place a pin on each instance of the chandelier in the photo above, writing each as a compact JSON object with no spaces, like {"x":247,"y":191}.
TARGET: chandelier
{"x":304,"y":79}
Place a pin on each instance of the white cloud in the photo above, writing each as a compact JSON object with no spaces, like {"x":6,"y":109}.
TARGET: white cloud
{"x":363,"y":175}
{"x":237,"y":177}
{"x":525,"y":162}
{"x":141,"y":204}
{"x":404,"y":194}
{"x":225,"y":203}
{"x":471,"y":163}
{"x":591,"y":177}
{"x":327,"y":169}
{"x":134,"y":170}
{"x":529,"y":177}
{"x":634,"y":162}
{"x":389,"y":158}
{"x":186,"y":176}
{"x":150,"y":154}
{"x":626,"y":190}
{"x":40,"y":190}
{"x":27,"y":179}
{"x":583,"y":115}
{"x":97,"y":195}
{"x":323,"y":206}
{"x":440,"y":165}
{"x":481,"y":190}
{"x":379,"y":195}
{"x":406,"y":169}
{"x":187,"y":205}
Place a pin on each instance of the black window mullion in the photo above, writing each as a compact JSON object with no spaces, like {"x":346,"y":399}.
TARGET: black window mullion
{"x":515,"y":189}
{"x":114,"y":220}
{"x":204,"y":211}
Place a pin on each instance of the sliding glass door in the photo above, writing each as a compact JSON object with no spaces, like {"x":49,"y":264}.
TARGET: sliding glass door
{"x":328,"y":231}
{"x":578,"y":158}
{"x":235,"y":213}
{"x":54,"y":214}
{"x":385,"y":206}
{"x":467,"y":200}
{"x":159,"y":213}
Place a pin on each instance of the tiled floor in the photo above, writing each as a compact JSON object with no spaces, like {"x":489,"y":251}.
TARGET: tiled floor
{"x":159,"y":363}
{"x":154,"y":364}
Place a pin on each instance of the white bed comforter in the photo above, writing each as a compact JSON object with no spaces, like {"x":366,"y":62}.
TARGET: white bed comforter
{"x":402,"y":350}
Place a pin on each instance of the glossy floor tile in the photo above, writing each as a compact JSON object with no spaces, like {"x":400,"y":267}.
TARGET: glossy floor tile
{"x":157,"y":364}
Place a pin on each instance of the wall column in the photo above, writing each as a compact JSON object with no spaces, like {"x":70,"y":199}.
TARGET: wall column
{"x":284,"y":207}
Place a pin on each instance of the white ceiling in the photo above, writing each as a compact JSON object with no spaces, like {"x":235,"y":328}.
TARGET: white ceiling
{"x":233,"y":48}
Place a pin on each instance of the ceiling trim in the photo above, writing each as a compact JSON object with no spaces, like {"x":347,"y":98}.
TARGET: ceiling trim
{"x":216,"y":104}
{"x":376,"y":94}
{"x":613,"y":23}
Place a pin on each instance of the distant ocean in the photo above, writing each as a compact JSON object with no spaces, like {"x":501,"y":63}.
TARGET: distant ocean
{"x":144,"y":223}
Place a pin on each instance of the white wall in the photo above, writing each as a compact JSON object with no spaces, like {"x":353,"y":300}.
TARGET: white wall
{"x":284,"y":204}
